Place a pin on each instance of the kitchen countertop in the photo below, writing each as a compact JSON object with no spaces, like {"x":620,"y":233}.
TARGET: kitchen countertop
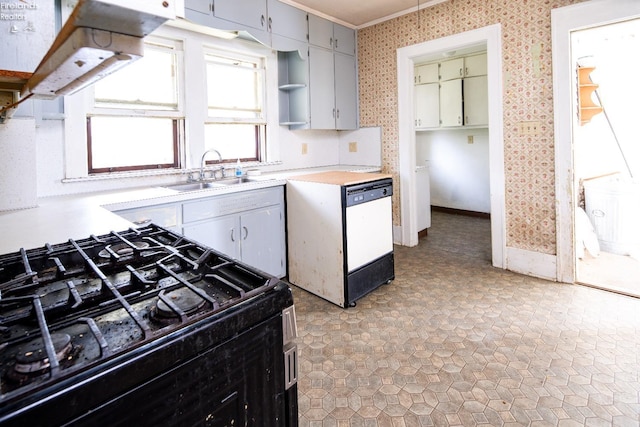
{"x":340,"y":177}
{"x":60,"y":218}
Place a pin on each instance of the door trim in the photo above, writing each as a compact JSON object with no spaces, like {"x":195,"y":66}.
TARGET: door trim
{"x":491,"y":36}
{"x":564,"y":20}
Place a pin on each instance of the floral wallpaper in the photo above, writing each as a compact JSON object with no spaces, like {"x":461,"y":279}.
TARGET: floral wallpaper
{"x":528,"y":95}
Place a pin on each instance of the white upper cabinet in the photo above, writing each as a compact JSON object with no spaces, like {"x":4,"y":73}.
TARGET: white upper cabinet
{"x":330,"y":35}
{"x":475,"y":65}
{"x":427,"y":73}
{"x":476,"y":110}
{"x":452,"y":69}
{"x":451,"y":93}
{"x":451,"y":103}
{"x":427,"y":105}
{"x":271,"y":22}
{"x":333,"y":82}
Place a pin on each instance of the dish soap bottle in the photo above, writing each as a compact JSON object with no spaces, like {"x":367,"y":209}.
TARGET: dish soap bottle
{"x":238,"y":169}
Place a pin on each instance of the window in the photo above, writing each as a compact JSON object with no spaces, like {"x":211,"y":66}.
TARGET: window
{"x":136,"y":120}
{"x":235,"y":124}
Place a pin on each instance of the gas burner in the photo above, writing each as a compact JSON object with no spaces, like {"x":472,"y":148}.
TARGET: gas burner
{"x":183,"y":299}
{"x":33,"y":358}
{"x":122,"y":249}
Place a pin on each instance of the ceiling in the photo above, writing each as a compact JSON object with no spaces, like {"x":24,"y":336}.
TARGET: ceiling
{"x":361,"y":13}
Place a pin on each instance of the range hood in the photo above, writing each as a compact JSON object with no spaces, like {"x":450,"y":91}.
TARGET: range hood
{"x":100,"y":37}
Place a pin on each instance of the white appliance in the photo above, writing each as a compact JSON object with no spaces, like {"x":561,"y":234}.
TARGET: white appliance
{"x":340,"y":234}
{"x":423,"y":197}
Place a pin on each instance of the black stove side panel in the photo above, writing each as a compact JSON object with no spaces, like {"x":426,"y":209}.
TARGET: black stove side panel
{"x":233,"y":384}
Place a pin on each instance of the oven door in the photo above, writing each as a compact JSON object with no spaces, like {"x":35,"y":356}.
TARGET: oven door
{"x":369,"y":233}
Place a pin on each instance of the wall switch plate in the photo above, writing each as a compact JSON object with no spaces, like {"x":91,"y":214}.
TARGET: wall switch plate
{"x":529,"y":128}
{"x":353,"y":147}
{"x":304,"y":148}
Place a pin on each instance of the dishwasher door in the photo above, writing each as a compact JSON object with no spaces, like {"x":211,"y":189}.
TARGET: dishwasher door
{"x":369,"y":232}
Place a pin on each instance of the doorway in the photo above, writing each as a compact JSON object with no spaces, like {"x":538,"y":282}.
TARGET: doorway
{"x":577,"y":32}
{"x":407,"y":57}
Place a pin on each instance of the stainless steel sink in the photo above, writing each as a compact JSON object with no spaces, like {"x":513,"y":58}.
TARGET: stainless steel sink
{"x":194,"y":186}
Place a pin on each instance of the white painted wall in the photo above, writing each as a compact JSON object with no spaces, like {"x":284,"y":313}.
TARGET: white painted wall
{"x":458,"y":170}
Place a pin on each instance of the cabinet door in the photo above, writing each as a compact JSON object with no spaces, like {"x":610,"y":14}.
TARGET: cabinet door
{"x":452,"y":69}
{"x":475,"y":65}
{"x":252,"y":13}
{"x":221,"y":234}
{"x":262,"y":240}
{"x":427,"y":105}
{"x":451,"y":103}
{"x":346,"y":92}
{"x":427,"y":73}
{"x":288,"y":21}
{"x":321,"y":89}
{"x":476,"y":111}
{"x":320,"y":32}
{"x":344,"y":39}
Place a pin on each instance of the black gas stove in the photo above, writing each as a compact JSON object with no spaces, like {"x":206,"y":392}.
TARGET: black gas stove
{"x":143,"y":327}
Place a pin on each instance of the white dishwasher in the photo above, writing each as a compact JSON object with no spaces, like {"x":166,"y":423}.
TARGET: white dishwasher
{"x":340,"y":234}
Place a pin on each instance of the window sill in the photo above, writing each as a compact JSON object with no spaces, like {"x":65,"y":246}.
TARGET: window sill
{"x":161,"y":172}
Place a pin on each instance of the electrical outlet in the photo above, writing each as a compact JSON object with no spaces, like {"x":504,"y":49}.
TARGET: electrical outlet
{"x":469,"y":139}
{"x":529,"y":128}
{"x":353,"y":147}
{"x":304,"y":148}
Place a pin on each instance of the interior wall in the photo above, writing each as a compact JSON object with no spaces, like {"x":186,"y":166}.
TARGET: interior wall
{"x":458,"y":169}
{"x":527,"y":96}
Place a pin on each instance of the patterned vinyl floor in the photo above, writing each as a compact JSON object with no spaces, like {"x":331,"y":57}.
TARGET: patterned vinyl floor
{"x":454,"y":341}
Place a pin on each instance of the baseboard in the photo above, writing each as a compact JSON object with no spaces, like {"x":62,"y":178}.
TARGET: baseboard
{"x":460,"y":212}
{"x":532,"y":263}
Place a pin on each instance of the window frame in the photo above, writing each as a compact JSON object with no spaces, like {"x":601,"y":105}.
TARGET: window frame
{"x":260,"y":123}
{"x":177,"y":114}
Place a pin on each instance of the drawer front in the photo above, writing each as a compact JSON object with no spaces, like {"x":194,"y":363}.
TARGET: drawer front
{"x":231,"y":203}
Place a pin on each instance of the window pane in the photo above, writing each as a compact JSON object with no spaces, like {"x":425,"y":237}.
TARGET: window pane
{"x":156,"y":90}
{"x":123,"y":142}
{"x":234,"y":141}
{"x":234,"y":88}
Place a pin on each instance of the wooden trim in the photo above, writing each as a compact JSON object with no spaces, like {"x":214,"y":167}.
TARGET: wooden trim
{"x":461,"y":212}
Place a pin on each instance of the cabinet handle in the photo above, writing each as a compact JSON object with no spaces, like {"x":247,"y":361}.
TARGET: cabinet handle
{"x":270,"y":23}
{"x":338,"y":113}
{"x":466,"y":71}
{"x":460,"y":72}
{"x":334,"y":113}
{"x":233,"y":239}
{"x":335,"y":41}
{"x":466,"y":120}
{"x":246,"y":233}
{"x":459,"y":120}
{"x":262,"y":20}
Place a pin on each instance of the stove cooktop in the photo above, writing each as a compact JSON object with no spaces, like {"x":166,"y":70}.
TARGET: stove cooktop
{"x":69,"y":306}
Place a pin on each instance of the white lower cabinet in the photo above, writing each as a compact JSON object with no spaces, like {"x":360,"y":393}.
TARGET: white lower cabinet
{"x":247,"y":226}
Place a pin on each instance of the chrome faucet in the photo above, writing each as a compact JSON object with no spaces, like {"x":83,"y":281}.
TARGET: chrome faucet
{"x":202,"y":162}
